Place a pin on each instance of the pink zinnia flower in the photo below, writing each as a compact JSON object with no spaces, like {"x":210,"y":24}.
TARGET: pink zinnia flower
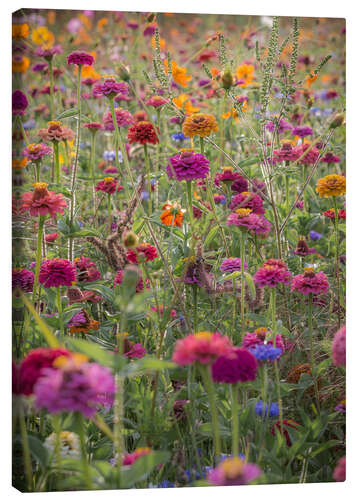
{"x":80,"y":58}
{"x":309,"y":158}
{"x":93,"y":126}
{"x":108,"y":185}
{"x":130,"y":458}
{"x":143,"y":253}
{"x":310,"y":282}
{"x":238,"y":365}
{"x":36,"y":152}
{"x":188,"y":165}
{"x":247,"y":199}
{"x":286,"y":153}
{"x":232,"y":264}
{"x":86,"y":270}
{"x":75,"y":386}
{"x":136,"y":351}
{"x":339,"y":347}
{"x":22,"y":279}
{"x":51,"y":237}
{"x":156,"y":101}
{"x":19,"y":103}
{"x":43,"y":202}
{"x":57,"y":272}
{"x":228,"y":176}
{"x":244,"y":219}
{"x":233,"y":472}
{"x":31,"y":367}
{"x":271,"y":275}
{"x":339,"y":474}
{"x":110,"y":88}
{"x":123,"y":118}
{"x":203,"y":347}
{"x":139,"y":285}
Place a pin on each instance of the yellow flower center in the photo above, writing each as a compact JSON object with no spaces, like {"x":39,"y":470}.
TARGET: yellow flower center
{"x":108,"y":180}
{"x":243,"y":212}
{"x":203,"y":335}
{"x":40,"y":186}
{"x":232,"y":467}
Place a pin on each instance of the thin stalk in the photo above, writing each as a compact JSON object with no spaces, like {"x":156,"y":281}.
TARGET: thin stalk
{"x":337,"y":259}
{"x":57,"y":163}
{"x":38,"y":255}
{"x":92,"y":160}
{"x":74,"y":173}
{"x":26,"y":448}
{"x":242,"y":292}
{"x":189,"y":203}
{"x":86,"y":472}
{"x":147,"y":169}
{"x":109,"y":213}
{"x":52,"y":94}
{"x":60,"y":313}
{"x":276,"y":367}
{"x":235,"y":419}
{"x":207,"y":381}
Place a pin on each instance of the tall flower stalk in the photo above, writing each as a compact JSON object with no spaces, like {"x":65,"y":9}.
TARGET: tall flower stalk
{"x":208,"y":384}
{"x":41,"y":222}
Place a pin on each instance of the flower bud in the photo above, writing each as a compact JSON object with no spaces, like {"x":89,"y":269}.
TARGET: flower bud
{"x":130,"y":239}
{"x":227,"y":79}
{"x":337,"y":121}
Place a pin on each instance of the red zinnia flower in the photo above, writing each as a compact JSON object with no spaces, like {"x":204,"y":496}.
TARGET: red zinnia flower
{"x":143,"y":132}
{"x":43,"y":202}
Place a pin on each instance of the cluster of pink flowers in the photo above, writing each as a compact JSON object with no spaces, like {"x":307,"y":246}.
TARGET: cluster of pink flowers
{"x":139,"y":285}
{"x":123,"y":118}
{"x":252,"y":222}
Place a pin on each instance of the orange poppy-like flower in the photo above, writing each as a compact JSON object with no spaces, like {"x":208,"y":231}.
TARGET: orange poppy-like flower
{"x":92,"y":325}
{"x":102,"y":22}
{"x":19,"y":163}
{"x":331,"y":185}
{"x":183,"y":101}
{"x":20,"y":30}
{"x":201,"y":124}
{"x":89,"y":72}
{"x":215,"y":72}
{"x":172,"y":215}
{"x":178,"y":73}
{"x":245,"y":72}
{"x":43,"y":36}
{"x":310,"y":80}
{"x":20,"y":64}
{"x":162,"y":43}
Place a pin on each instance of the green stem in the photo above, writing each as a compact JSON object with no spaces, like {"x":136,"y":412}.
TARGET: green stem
{"x":38,"y":169}
{"x":110,"y":213}
{"x":337,"y":259}
{"x":195,"y":292}
{"x":52,"y":94}
{"x":287,"y":192}
{"x":305,"y":190}
{"x":26,"y":448}
{"x":60,"y":313}
{"x":207,"y":381}
{"x":242,"y":292}
{"x":74,"y":174}
{"x":276,"y":366}
{"x":57,"y":163}
{"x":38,"y":255}
{"x":92,"y":161}
{"x":189,"y":203}
{"x":147,"y":169}
{"x":235,"y":420}
{"x":86,"y":472}
{"x":234,"y":316}
{"x":202,"y":146}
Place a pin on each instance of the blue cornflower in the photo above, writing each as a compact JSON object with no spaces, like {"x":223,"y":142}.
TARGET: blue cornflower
{"x":266,"y":352}
{"x":179,"y":137}
{"x":30,"y":124}
{"x":145,"y":195}
{"x":271,"y":411}
{"x":109,"y":155}
{"x":315,"y":236}
{"x":166,"y":484}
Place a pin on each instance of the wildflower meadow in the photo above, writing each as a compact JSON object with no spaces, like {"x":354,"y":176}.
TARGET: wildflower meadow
{"x":178,"y":274}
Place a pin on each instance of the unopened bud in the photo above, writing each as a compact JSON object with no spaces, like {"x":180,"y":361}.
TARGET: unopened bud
{"x":130,"y":239}
{"x":227,"y":79}
{"x":337,"y":121}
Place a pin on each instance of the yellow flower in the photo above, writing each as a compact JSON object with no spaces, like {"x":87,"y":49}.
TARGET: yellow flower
{"x":201,"y":124}
{"x":42,"y":35}
{"x":178,"y":73}
{"x":331,"y":185}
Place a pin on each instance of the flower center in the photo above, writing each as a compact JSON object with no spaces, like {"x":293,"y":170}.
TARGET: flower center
{"x":108,"y":180}
{"x":243,"y":212}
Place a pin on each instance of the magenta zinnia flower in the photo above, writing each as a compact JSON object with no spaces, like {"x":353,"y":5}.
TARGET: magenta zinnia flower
{"x":80,"y":58}
{"x":143,"y":253}
{"x":233,"y":472}
{"x":302,"y":131}
{"x":75,"y":386}
{"x":280,"y":128}
{"x":287,"y":152}
{"x":156,"y":101}
{"x":108,"y":185}
{"x":110,"y":88}
{"x":247,"y":199}
{"x":203,"y":347}
{"x":238,"y":365}
{"x":309,"y":158}
{"x":239,"y":185}
{"x":43,"y":202}
{"x":86,"y":270}
{"x":188,"y":165}
{"x":339,"y":347}
{"x":232,"y":264}
{"x":19,"y":103}
{"x":228,"y":176}
{"x":310,"y":282}
{"x":22,"y":279}
{"x":339,"y":473}
{"x":272,"y":274}
{"x":123,"y":118}
{"x":57,"y":272}
{"x":244,"y":219}
{"x":36,"y":152}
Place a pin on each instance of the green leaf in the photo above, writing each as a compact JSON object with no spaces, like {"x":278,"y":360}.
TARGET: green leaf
{"x":68,"y":113}
{"x":250,"y":282}
{"x":211,"y":235}
{"x":325,"y":446}
{"x":147,"y":364}
{"x":103,"y":290}
{"x":142,"y":468}
{"x":38,"y":451}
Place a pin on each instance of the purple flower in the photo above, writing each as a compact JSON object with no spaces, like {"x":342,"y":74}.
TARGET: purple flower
{"x":80,"y":58}
{"x":232,"y":264}
{"x":302,"y":131}
{"x":315,"y":236}
{"x":74,"y":387}
{"x":339,"y":347}
{"x":35,"y":152}
{"x":240,"y":185}
{"x":110,"y":88}
{"x":283,"y":125}
{"x":188,"y":165}
{"x":248,"y":199}
{"x":238,"y":365}
{"x":19,"y":103}
{"x":57,"y":272}
{"x":233,"y":472}
{"x":48,"y":53}
{"x":23,"y":279}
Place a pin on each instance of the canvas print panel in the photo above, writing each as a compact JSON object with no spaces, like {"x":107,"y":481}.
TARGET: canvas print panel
{"x":178,"y":250}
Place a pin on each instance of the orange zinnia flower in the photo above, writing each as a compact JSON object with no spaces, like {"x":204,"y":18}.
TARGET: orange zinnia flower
{"x":331,"y":185}
{"x":201,"y":124}
{"x":245,"y":72}
{"x":184,"y":101}
{"x":172,"y":215}
{"x":178,"y":73}
{"x":20,"y":64}
{"x":20,"y":31}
